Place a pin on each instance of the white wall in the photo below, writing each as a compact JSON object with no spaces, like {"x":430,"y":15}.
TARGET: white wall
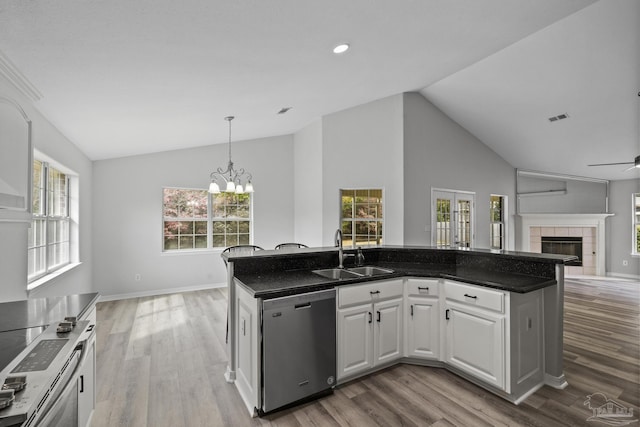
{"x":307,"y":187}
{"x":580,"y":197}
{"x":48,"y":140}
{"x":362,"y":148}
{"x":439,"y":153}
{"x":128,"y":213}
{"x":619,"y":229}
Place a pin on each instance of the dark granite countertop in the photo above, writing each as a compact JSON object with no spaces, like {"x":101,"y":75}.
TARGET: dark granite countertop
{"x":272,"y":284}
{"x":43,"y":311}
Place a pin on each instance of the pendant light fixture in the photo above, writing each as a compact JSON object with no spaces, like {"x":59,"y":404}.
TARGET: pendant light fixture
{"x":230,"y":179}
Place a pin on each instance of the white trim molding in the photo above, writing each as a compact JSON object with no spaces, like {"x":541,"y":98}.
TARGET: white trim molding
{"x":567,"y":220}
{"x":19,"y":80}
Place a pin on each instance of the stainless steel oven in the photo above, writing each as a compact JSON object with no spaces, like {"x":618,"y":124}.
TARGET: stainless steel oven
{"x":51,"y":381}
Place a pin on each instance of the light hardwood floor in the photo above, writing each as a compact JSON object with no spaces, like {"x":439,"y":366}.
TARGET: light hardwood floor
{"x":160,"y":362}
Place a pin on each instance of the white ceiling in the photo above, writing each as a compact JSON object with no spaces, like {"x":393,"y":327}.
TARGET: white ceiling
{"x":125,"y":77}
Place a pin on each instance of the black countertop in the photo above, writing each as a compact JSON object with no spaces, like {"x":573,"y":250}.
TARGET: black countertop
{"x":272,"y":284}
{"x":43,"y":311}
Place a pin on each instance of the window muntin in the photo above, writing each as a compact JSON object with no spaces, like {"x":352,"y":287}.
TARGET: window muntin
{"x":194,"y":219}
{"x":361,"y":217}
{"x":497,"y":222}
{"x":48,"y":247}
{"x":636,"y":224}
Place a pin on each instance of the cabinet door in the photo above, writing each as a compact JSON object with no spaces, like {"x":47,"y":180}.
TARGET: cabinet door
{"x":423,"y":332}
{"x":475,"y":342}
{"x":86,"y":387}
{"x":354,"y":340}
{"x":388,"y":331}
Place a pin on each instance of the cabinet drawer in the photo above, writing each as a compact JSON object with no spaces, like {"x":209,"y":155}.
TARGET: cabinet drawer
{"x":369,"y":292}
{"x":423,"y":287}
{"x":475,"y":295}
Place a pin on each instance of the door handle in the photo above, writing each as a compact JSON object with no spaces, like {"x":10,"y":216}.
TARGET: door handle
{"x":81,"y":383}
{"x":425,"y":288}
{"x":374,"y":292}
{"x":471,"y":296}
{"x":378,"y":315}
{"x":446,"y":314}
{"x":411,"y":310}
{"x":370,"y":317}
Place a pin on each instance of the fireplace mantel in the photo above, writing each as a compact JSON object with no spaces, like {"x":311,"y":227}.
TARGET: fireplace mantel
{"x":596,"y":220}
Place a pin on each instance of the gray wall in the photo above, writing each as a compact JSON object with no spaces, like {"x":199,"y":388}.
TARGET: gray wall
{"x":619,"y":231}
{"x":51,"y":142}
{"x":127,"y":201}
{"x":307,"y":184}
{"x":438,"y":153}
{"x":580,"y":196}
{"x":362,"y":148}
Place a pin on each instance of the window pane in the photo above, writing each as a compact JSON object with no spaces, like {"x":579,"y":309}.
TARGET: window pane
{"x":243,"y":239}
{"x":201,"y":227}
{"x":170,"y":242}
{"x":186,"y":242}
{"x":201,"y":242}
{"x":243,"y":227}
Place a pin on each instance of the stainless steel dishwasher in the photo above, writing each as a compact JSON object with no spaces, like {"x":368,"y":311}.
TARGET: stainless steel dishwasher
{"x":298,"y":347}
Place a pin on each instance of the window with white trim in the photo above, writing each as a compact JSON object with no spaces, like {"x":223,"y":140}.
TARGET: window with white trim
{"x":497,"y":226}
{"x":194,"y":219}
{"x":361,"y":219}
{"x":48,"y":238}
{"x":636,"y":224}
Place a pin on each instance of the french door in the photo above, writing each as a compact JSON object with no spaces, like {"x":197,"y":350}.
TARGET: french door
{"x":452,"y":218}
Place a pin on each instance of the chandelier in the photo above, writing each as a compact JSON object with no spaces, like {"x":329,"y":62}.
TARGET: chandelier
{"x":231,"y":179}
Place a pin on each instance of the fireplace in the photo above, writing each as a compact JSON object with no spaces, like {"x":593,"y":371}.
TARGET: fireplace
{"x":563,"y":245}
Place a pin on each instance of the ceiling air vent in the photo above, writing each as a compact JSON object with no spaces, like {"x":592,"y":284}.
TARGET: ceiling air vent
{"x":558,"y":117}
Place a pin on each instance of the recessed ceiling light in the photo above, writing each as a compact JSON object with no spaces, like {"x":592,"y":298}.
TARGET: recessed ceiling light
{"x":341,"y":48}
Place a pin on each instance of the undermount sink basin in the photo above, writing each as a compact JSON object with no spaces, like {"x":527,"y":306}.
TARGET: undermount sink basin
{"x":336,"y":273}
{"x":370,"y":271}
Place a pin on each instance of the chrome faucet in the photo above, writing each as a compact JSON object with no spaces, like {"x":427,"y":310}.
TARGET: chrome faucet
{"x":338,"y":242}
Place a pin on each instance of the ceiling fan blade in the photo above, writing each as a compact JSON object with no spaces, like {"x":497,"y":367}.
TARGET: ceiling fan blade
{"x":612,"y":164}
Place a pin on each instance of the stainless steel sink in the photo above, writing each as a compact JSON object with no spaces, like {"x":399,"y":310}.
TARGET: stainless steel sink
{"x":337,"y":273}
{"x":370,"y":271}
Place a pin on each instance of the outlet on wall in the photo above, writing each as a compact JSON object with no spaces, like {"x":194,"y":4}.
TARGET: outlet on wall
{"x":138,"y":277}
{"x":625,"y":262}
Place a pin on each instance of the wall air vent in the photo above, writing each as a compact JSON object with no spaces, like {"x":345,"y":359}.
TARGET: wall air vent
{"x":559,"y":117}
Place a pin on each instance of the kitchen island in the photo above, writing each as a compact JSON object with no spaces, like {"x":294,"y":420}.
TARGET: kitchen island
{"x":492,"y":317}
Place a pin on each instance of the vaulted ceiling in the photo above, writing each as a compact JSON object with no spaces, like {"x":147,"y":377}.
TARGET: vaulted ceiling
{"x":126,"y":77}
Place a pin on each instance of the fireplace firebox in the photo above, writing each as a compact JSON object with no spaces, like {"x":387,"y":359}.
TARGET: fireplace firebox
{"x":563,"y":245}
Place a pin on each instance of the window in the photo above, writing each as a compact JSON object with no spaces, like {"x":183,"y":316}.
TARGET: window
{"x":48,"y":238}
{"x":452,"y":219}
{"x":636,"y":224}
{"x":194,"y":219}
{"x":497,"y":228}
{"x":361,"y":217}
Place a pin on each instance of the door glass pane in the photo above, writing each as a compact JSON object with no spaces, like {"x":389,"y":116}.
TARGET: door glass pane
{"x":443,"y":222}
{"x":464,"y":223}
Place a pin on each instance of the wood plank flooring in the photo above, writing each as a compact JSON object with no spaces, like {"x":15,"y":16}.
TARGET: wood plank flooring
{"x":160,"y":362}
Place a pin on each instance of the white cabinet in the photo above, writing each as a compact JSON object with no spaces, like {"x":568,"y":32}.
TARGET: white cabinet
{"x":475,"y":331}
{"x":369,"y":326}
{"x":422,"y":319}
{"x":387,"y":335}
{"x":355,"y":339}
{"x":247,"y":349}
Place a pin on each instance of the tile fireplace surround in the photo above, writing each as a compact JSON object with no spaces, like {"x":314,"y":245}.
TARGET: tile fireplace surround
{"x":591,"y":227}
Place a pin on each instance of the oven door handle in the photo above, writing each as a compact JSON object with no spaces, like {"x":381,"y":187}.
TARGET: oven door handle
{"x":49,"y":413}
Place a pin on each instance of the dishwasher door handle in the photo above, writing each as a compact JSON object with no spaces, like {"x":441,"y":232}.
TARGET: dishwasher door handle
{"x":303,"y":305}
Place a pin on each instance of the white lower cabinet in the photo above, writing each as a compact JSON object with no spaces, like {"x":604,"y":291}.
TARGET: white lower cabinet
{"x":475,"y":342}
{"x":369,"y":326}
{"x":355,"y":340}
{"x":422,"y":319}
{"x":247,"y":362}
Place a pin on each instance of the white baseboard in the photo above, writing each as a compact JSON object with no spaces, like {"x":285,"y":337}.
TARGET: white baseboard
{"x":104,"y":298}
{"x":624,"y":276}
